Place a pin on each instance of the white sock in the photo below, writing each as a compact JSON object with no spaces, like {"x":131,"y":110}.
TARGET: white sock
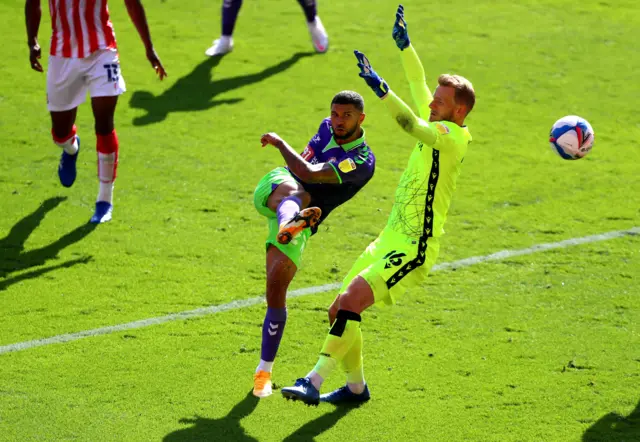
{"x":226,"y":39}
{"x":70,"y":146}
{"x":265,"y":366}
{"x":106,"y":192}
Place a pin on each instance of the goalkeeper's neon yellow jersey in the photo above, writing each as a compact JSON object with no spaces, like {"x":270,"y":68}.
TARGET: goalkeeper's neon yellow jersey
{"x":423,"y":196}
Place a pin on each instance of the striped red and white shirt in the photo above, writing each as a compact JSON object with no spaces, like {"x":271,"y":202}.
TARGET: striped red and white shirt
{"x":80,"y":27}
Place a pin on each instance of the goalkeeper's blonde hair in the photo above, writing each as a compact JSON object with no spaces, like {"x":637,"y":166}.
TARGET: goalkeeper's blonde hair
{"x":464,"y":89}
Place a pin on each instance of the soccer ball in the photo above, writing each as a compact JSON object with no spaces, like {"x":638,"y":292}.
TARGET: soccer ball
{"x":571,"y":137}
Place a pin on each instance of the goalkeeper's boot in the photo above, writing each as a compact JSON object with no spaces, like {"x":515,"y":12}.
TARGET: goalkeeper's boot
{"x":306,"y":218}
{"x":102,"y":213}
{"x":67,"y":167}
{"x":319,"y":36}
{"x":344,"y":396}
{"x":220,"y":46}
{"x":262,"y":384}
{"x":303,"y":391}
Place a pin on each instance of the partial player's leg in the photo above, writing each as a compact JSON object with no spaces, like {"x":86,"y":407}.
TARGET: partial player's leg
{"x":280,"y":272}
{"x":63,"y":131}
{"x":105,"y":85}
{"x":107,"y":148}
{"x":282,"y":263}
{"x":230,"y":10}
{"x":289,"y":201}
{"x":344,"y":333}
{"x":319,"y":36}
{"x":66,"y":90}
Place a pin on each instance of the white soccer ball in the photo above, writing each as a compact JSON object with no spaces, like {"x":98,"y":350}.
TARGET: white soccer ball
{"x":571,"y":137}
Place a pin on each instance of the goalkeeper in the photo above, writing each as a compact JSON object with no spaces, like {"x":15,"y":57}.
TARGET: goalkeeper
{"x":408,"y":246}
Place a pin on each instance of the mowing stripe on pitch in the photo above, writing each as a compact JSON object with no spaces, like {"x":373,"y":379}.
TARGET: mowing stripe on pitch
{"x":306,"y":291}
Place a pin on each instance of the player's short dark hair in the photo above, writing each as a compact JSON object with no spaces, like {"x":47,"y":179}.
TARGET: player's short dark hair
{"x":349,"y":97}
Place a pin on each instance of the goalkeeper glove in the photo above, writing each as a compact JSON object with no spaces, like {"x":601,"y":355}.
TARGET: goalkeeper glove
{"x":400,"y":34}
{"x":377,"y":84}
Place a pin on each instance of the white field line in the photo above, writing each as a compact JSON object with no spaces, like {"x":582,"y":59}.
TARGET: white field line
{"x":242,"y":303}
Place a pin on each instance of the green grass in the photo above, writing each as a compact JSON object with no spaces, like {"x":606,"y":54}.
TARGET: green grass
{"x":542,"y":347}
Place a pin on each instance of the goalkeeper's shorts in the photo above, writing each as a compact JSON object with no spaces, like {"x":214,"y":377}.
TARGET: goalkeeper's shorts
{"x":393,"y":263}
{"x":265,"y":187}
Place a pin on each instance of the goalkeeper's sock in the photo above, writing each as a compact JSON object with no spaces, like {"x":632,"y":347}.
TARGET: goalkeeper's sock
{"x":341,"y":337}
{"x":309,"y":7}
{"x":230,"y":10}
{"x":288,"y":208}
{"x":353,"y":367}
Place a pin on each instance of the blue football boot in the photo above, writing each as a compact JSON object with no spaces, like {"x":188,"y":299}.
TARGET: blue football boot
{"x":102,"y":213}
{"x":303,"y":391}
{"x":67,"y":167}
{"x":344,"y":396}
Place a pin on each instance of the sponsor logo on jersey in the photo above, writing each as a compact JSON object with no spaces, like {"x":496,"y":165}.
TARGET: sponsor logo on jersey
{"x":347,"y":165}
{"x":308,"y":153}
{"x":442,"y":128}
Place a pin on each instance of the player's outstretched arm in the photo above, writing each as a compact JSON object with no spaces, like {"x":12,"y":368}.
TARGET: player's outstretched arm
{"x":411,"y":63}
{"x":139,"y":19}
{"x":402,"y":113}
{"x":408,"y":121}
{"x":33,"y":13}
{"x":307,"y":172}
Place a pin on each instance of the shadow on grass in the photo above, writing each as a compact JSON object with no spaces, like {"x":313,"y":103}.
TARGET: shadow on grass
{"x":196,"y":91}
{"x":13,"y":258}
{"x":228,"y":428}
{"x":614,"y":427}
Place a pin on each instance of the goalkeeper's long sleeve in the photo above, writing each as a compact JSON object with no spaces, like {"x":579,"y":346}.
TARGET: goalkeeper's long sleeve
{"x":414,"y":72}
{"x":409,"y":121}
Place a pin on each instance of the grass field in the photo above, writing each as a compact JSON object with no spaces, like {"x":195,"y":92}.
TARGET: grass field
{"x":543,"y":346}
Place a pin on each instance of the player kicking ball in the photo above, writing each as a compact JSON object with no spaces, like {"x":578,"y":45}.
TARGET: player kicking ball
{"x":334,"y":166}
{"x":84,"y":57}
{"x":408,"y":246}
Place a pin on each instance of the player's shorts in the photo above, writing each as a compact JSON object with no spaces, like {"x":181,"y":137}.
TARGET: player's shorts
{"x":69,"y":79}
{"x":392,"y":263}
{"x":265,"y":187}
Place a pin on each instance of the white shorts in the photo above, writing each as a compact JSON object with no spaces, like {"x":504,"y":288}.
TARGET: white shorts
{"x":68,"y":79}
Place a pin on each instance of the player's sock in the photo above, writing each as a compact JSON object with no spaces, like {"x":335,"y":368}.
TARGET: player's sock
{"x":309,"y":7}
{"x":341,"y":337}
{"x":265,"y":366}
{"x":107,"y":147}
{"x":353,"y":367}
{"x":230,"y":10}
{"x":272,"y":330}
{"x":68,"y":143}
{"x":288,"y":208}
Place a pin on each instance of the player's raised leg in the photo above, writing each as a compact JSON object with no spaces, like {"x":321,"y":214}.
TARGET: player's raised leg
{"x":289,"y":200}
{"x":64,"y":133}
{"x":319,"y":36}
{"x":224,"y":44}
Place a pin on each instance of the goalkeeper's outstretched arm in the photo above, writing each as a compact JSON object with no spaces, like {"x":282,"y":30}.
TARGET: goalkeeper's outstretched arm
{"x":408,"y":121}
{"x":412,"y":66}
{"x":414,"y":72}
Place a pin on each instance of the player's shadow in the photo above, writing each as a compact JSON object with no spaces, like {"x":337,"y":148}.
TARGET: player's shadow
{"x":614,"y":427}
{"x":197,"y":90}
{"x":227,"y":428}
{"x":314,"y":428}
{"x":13,"y":258}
